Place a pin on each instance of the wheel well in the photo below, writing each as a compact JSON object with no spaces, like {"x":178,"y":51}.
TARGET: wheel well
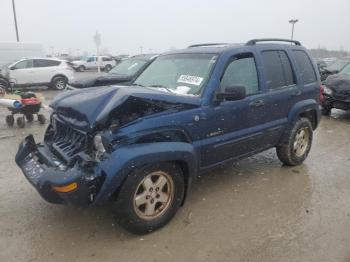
{"x":185,"y":171}
{"x":59,"y":75}
{"x":311,"y":115}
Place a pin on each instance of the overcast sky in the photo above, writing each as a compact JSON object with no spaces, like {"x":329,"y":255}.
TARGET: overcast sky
{"x":158,"y":25}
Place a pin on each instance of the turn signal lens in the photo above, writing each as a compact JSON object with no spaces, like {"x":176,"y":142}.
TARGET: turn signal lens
{"x":65,"y":189}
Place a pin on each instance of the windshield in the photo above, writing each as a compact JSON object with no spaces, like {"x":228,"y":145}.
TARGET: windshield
{"x":338,"y":65}
{"x":346,"y":70}
{"x":183,"y":74}
{"x":128,"y":67}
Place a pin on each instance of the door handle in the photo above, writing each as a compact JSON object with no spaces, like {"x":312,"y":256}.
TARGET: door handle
{"x":257,"y":103}
{"x":297,"y":93}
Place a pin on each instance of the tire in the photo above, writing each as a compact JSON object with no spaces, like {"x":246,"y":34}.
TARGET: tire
{"x":81,"y":68}
{"x":148,"y":216}
{"x":296,"y":143}
{"x":4,"y":84}
{"x":108,"y":68}
{"x":326,"y":110}
{"x":29,"y":117}
{"x":10,"y":120}
{"x":41,"y":119}
{"x":59,"y":82}
{"x":21,"y":122}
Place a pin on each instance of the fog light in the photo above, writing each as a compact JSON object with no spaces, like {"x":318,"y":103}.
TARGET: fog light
{"x":65,"y":189}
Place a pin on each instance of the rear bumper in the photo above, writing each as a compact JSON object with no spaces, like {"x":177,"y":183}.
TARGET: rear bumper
{"x":44,"y":171}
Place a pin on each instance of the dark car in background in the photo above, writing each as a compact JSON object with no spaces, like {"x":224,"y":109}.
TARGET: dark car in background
{"x":336,"y":91}
{"x":124,"y":73}
{"x":334,"y":68}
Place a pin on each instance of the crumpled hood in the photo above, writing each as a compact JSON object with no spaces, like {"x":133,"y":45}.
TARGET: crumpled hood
{"x":99,"y":81}
{"x":85,"y":109}
{"x":340,"y":83}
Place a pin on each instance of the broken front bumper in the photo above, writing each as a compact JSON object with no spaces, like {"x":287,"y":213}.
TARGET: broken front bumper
{"x":337,"y":102}
{"x":44,"y":171}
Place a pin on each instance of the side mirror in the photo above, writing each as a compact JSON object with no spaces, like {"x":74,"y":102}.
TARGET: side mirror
{"x":12,"y":68}
{"x":232,"y":93}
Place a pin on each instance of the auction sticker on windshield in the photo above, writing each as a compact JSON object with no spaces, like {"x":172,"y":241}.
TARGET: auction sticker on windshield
{"x":192,"y":80}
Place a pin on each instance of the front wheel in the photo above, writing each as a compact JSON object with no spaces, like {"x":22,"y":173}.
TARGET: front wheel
{"x":108,"y":68}
{"x":296,"y":143}
{"x":326,"y":110}
{"x":150,"y":197}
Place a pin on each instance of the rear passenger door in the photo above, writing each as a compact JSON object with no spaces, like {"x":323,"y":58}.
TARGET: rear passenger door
{"x":280,"y":94}
{"x":44,"y":70}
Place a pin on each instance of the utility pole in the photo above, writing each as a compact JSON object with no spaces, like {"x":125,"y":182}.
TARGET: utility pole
{"x":15,"y":17}
{"x":293,"y":22}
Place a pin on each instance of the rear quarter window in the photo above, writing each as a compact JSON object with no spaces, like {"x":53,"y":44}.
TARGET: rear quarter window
{"x":306,"y":69}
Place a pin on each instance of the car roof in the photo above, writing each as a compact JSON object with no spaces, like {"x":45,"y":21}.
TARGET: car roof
{"x":41,"y":58}
{"x":222,"y":47}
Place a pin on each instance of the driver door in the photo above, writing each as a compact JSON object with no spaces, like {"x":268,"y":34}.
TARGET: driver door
{"x":22,"y":73}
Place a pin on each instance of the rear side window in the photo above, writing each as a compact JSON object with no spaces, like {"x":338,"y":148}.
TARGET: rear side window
{"x":278,"y":69}
{"x":104,"y":59}
{"x":242,"y":72}
{"x":305,"y":67}
{"x":45,"y":63}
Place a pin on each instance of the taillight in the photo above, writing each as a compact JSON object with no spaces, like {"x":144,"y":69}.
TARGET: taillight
{"x":321,"y":98}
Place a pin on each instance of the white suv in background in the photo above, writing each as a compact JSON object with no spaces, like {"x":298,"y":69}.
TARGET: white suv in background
{"x":50,"y":72}
{"x":91,"y":62}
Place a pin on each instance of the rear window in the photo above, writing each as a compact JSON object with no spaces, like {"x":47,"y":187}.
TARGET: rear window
{"x":45,"y":63}
{"x":278,"y":69}
{"x":305,"y":66}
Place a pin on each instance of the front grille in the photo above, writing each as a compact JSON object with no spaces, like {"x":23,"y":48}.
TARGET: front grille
{"x":67,"y":142}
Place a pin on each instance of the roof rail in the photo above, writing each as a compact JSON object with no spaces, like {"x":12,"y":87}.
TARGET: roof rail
{"x":208,"y":44}
{"x":254,"y":41}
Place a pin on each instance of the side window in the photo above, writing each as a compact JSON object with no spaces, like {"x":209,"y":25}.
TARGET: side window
{"x":91,"y":59}
{"x":45,"y":63}
{"x":104,"y":59}
{"x":305,"y":67}
{"x":242,"y":72}
{"x":24,"y":64}
{"x":278,"y":69}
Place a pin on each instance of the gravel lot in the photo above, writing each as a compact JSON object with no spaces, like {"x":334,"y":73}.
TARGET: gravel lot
{"x":253,"y":210}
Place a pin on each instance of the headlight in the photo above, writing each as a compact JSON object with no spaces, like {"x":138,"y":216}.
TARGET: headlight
{"x":327,"y":91}
{"x":100,"y":148}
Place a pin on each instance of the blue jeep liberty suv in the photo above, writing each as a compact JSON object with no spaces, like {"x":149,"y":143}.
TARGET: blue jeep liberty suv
{"x":191,"y":110}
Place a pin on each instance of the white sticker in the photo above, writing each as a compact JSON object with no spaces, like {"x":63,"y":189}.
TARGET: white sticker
{"x":192,"y":80}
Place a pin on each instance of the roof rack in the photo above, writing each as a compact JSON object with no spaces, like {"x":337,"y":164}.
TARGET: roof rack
{"x":254,"y":41}
{"x":208,"y":44}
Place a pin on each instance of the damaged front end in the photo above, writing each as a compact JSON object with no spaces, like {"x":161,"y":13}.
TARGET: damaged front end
{"x":72,"y":163}
{"x":337,"y":92}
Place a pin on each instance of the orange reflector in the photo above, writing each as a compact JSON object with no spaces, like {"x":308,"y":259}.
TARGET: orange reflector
{"x":65,"y":189}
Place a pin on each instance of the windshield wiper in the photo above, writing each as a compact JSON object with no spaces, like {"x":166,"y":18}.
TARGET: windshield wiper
{"x":164,"y":87}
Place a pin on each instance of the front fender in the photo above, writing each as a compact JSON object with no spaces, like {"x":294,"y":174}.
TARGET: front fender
{"x":123,"y":160}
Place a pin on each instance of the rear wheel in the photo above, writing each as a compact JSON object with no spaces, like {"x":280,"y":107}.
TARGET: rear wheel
{"x":41,"y":119}
{"x":10,"y":120}
{"x":150,"y":197}
{"x":59,"y":82}
{"x":296,"y":143}
{"x":21,"y":122}
{"x":29,"y":117}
